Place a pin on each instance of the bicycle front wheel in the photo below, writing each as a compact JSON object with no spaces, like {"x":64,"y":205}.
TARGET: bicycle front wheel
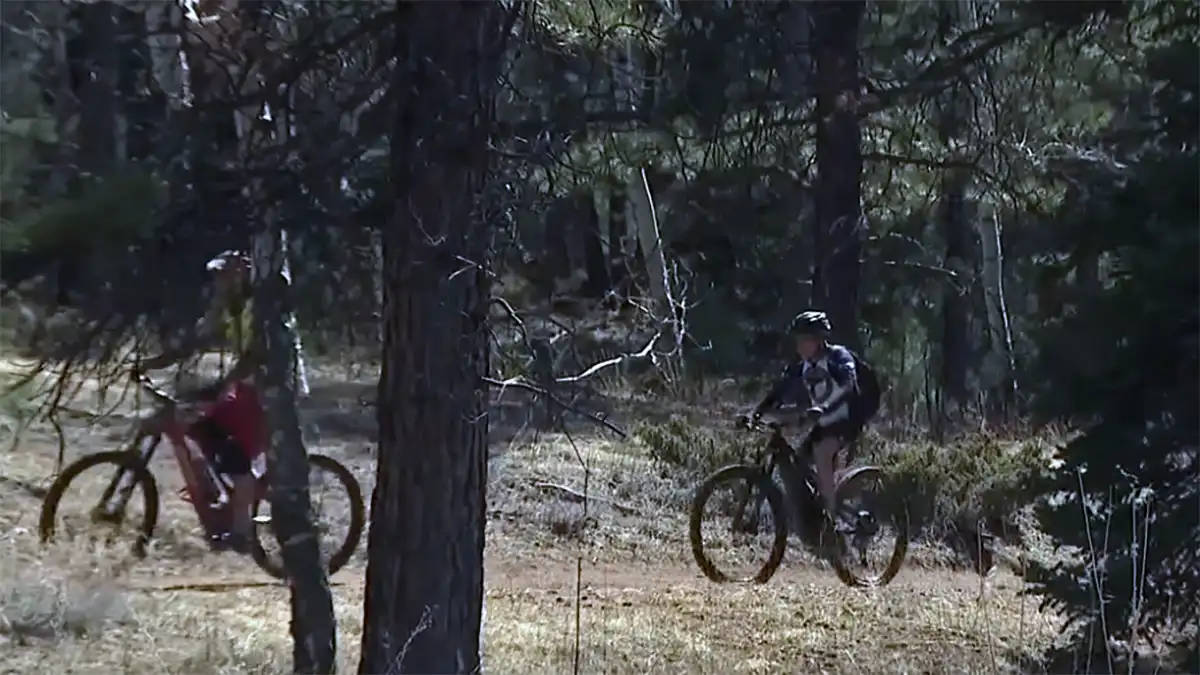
{"x":873,"y":542}
{"x":108,"y":482}
{"x":736,"y":515}
{"x":337,"y":507}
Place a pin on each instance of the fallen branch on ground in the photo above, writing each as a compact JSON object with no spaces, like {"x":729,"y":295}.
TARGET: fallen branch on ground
{"x":578,"y":497}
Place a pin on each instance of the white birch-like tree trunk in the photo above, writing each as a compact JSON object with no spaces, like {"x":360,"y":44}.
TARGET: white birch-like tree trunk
{"x":645,"y":221}
{"x":999,"y":367}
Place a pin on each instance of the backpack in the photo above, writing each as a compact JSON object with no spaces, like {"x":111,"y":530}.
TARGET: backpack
{"x":870,"y":392}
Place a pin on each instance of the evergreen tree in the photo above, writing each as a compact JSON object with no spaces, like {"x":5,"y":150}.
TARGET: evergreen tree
{"x":1123,"y":365}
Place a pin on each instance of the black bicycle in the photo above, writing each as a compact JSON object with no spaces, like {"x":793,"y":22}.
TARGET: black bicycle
{"x":866,"y":513}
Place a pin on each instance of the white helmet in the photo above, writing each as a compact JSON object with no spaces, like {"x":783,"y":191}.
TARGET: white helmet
{"x":225,"y":259}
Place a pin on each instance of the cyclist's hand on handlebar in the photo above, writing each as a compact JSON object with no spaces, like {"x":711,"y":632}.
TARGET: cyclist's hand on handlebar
{"x":748,"y":420}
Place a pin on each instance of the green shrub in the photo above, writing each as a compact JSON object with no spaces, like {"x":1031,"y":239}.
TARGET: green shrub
{"x":681,"y":443}
{"x":977,"y":478}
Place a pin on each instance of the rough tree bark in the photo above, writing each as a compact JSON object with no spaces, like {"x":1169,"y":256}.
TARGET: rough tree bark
{"x":955,"y":231}
{"x":424,"y":593}
{"x":838,"y":241}
{"x":313,"y":624}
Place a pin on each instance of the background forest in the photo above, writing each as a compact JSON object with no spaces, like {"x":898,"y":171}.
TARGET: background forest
{"x":995,"y":202}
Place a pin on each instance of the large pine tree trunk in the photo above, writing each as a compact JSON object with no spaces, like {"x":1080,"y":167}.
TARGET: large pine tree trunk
{"x":838,"y":249}
{"x":424,"y":594}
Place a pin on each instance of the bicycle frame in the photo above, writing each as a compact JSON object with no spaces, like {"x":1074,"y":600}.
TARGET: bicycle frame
{"x":799,"y":480}
{"x":198,"y":473}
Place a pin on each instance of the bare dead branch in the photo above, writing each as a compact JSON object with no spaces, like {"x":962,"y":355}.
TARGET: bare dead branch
{"x":520,"y":383}
{"x":615,"y":361}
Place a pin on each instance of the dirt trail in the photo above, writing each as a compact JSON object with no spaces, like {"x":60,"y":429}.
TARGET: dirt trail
{"x":551,"y":575}
{"x":548,"y":575}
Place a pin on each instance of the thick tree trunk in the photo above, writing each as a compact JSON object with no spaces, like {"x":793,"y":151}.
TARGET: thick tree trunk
{"x":955,"y":230}
{"x":838,"y":249}
{"x":424,"y":594}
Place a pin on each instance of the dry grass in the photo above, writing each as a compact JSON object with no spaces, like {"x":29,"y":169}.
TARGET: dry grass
{"x":643,"y":607}
{"x":635,"y":620}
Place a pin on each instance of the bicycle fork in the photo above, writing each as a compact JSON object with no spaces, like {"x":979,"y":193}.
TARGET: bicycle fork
{"x":115,"y":500}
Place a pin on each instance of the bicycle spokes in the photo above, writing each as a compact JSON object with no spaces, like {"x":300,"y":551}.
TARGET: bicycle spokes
{"x":737,"y":527}
{"x":872,"y":538}
{"x":105,"y":513}
{"x":331,"y":509}
{"x":748,"y":511}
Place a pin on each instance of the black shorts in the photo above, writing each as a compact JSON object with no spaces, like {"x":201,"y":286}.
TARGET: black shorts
{"x":845,"y":431}
{"x":222,"y":450}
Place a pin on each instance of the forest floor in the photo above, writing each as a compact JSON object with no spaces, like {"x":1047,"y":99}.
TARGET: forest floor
{"x":612,"y":590}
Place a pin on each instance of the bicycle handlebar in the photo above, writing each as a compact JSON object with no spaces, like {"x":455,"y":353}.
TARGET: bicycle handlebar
{"x":155,"y":391}
{"x":769,"y":425}
{"x":751,"y":424}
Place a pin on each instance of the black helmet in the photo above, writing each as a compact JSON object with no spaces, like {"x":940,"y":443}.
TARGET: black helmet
{"x":810,"y":323}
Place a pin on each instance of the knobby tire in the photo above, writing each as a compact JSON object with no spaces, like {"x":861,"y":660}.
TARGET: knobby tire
{"x":121,"y":460}
{"x":753,"y":476}
{"x":273,"y":565}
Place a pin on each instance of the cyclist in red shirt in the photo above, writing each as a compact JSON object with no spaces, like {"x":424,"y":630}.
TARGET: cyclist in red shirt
{"x":232,"y":429}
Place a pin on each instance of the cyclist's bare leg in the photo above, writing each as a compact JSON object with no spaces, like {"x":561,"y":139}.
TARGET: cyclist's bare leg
{"x":824,"y":453}
{"x":242,"y":501}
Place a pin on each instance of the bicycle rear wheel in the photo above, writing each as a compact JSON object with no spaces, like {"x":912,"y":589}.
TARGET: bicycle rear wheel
{"x":871,"y":552}
{"x":127,"y":474}
{"x":352,"y":514}
{"x":754,"y":506}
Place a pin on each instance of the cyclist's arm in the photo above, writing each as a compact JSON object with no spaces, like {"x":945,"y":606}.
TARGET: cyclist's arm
{"x":207,"y":333}
{"x":781,"y":392}
{"x":245,"y":366}
{"x":844,"y":376}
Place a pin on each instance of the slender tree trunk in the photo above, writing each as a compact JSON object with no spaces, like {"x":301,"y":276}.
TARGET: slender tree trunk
{"x":95,"y":57}
{"x":953,"y":215}
{"x":649,"y":239}
{"x":424,"y":593}
{"x":595,"y":263}
{"x":838,"y":247}
{"x":619,"y":259}
{"x":313,"y":624}
{"x":1000,"y":366}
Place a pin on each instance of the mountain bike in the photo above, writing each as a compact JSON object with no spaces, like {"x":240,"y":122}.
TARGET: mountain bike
{"x":207,"y":490}
{"x":865,"y":516}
